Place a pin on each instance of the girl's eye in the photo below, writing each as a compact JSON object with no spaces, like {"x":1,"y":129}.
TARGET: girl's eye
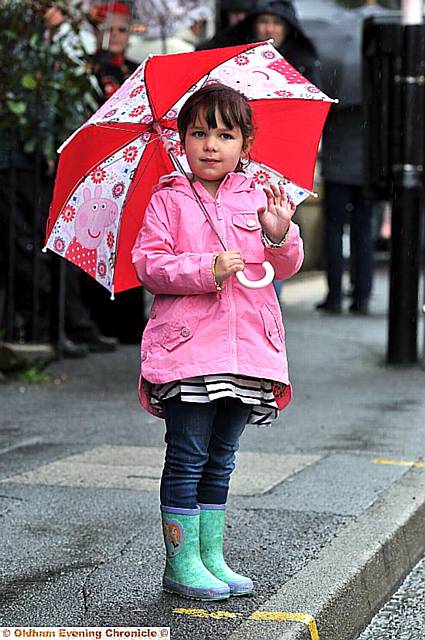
{"x":198,"y":134}
{"x":227,"y":136}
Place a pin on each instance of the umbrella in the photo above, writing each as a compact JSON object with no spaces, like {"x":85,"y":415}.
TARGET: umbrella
{"x":107,"y":167}
{"x":163,"y":18}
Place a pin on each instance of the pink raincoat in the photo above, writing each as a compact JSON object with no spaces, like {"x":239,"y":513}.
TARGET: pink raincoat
{"x":194,"y":329}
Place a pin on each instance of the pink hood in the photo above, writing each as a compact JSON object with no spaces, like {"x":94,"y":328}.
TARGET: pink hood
{"x":193,"y":329}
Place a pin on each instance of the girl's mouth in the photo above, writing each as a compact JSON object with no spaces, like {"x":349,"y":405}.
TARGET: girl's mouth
{"x":94,"y":236}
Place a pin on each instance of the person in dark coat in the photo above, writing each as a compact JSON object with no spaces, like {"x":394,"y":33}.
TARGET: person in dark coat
{"x":344,"y":164}
{"x":234,"y":11}
{"x":275,"y":19}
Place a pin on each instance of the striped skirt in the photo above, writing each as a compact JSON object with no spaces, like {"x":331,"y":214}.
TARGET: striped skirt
{"x":253,"y":391}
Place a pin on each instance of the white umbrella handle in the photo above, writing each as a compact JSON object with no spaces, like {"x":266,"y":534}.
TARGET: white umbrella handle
{"x":257,"y":284}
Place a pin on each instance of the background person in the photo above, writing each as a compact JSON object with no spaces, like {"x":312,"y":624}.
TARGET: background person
{"x":275,"y":19}
{"x":343,"y":164}
{"x":233,"y":11}
{"x":112,"y":23}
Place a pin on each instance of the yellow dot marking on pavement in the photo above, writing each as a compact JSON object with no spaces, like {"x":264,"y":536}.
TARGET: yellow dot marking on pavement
{"x":274,"y":616}
{"x":399,"y":463}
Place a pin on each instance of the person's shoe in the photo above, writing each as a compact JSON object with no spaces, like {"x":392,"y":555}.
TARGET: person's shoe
{"x":329,"y":307}
{"x":211,"y":534}
{"x":102,"y":344}
{"x":71,"y":349}
{"x":185,"y":573}
{"x":360,"y":307}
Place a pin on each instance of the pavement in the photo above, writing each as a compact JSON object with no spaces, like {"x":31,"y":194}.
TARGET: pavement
{"x":327,"y":507}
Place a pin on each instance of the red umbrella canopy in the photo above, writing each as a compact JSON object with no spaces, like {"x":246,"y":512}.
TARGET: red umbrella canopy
{"x":108,"y":167}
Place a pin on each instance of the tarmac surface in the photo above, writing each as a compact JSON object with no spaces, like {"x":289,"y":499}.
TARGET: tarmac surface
{"x":333,"y":490}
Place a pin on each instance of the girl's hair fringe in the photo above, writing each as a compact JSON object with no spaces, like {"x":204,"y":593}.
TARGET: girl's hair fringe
{"x":232,"y":106}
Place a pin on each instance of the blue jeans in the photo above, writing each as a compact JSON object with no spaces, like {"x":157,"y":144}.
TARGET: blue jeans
{"x":202,"y":440}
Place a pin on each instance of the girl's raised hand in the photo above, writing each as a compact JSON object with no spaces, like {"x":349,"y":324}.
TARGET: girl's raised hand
{"x":276,"y":218}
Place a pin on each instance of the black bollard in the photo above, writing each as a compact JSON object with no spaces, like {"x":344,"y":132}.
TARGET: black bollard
{"x":408,"y":197}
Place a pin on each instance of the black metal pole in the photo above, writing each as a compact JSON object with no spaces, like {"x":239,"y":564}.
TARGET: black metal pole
{"x":11,"y":275}
{"x":58,"y":304}
{"x":408,"y":198}
{"x":35,"y":320}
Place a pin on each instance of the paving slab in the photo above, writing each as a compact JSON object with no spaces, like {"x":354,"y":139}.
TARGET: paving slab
{"x":140,"y":468}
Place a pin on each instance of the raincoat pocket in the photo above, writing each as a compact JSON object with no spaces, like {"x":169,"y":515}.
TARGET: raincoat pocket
{"x":181,"y":328}
{"x":271,"y":327}
{"x":246,"y":220}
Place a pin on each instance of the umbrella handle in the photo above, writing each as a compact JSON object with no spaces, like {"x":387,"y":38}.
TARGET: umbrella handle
{"x":257,"y":284}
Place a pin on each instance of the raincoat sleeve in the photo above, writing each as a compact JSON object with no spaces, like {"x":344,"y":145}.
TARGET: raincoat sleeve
{"x":158,"y":266}
{"x":288,"y":258}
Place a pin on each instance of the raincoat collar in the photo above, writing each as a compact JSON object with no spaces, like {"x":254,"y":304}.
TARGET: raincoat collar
{"x":236,"y":182}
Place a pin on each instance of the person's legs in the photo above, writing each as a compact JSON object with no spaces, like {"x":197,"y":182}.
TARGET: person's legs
{"x":362,"y":246}
{"x":336,"y":202}
{"x":79,"y":325}
{"x":229,"y":423}
{"x":188,"y":432}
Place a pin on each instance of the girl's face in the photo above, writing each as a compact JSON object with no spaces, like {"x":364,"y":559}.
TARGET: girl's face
{"x":267,"y":26}
{"x":212,"y":153}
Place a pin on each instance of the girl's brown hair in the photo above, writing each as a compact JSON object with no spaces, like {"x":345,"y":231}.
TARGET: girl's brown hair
{"x":232,"y":106}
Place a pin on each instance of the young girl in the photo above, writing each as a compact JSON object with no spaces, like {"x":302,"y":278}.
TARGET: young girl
{"x":213,"y":351}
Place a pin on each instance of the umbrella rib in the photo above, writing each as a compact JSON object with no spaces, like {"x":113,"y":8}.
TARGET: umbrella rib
{"x":147,"y":90}
{"x":125,"y":203}
{"x":114,"y":128}
{"x":135,"y":184}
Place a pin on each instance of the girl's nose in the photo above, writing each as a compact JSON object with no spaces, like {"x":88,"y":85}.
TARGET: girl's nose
{"x":209,"y":143}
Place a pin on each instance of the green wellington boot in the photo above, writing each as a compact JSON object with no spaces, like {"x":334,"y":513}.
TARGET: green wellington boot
{"x":211,"y":541}
{"x":185,"y":572}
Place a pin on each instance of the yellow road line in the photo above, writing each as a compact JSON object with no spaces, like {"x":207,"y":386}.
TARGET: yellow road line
{"x":204,"y":613}
{"x":287,"y":616}
{"x":399,"y":463}
{"x":275,"y":616}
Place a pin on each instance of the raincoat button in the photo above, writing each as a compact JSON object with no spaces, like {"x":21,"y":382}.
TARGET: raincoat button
{"x":153,"y":315}
{"x":250,"y":223}
{"x":185,"y":332}
{"x":144,"y":356}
